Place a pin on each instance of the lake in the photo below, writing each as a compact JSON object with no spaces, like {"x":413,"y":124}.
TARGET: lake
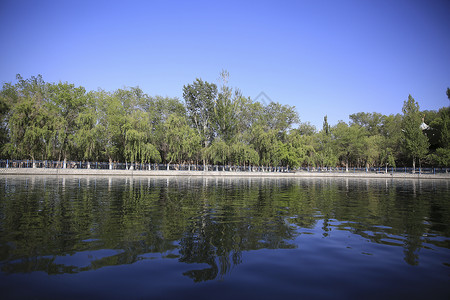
{"x":221,"y":238}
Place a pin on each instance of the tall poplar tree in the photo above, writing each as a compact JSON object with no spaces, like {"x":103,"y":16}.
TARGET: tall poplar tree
{"x":200,"y":97}
{"x":415,"y":142}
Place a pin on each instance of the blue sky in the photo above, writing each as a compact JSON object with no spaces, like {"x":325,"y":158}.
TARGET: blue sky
{"x":330,"y":58}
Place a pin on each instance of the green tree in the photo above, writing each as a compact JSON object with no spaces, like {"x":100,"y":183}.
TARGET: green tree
{"x":219,"y":152}
{"x":159,"y":109}
{"x":137,"y":140}
{"x":326,"y":126}
{"x":323,"y":154}
{"x":371,"y":121}
{"x":28,"y":130}
{"x":415,"y":142}
{"x":349,"y":142}
{"x":444,"y":114}
{"x":200,"y":97}
{"x":243,"y":154}
{"x":8,"y":96}
{"x":299,"y":148}
{"x":66,"y":102}
{"x":372,"y":150}
{"x":305,"y":128}
{"x":182,"y":141}
{"x":88,"y":135}
{"x":280,"y":118}
{"x":440,"y":129}
{"x":391,"y":147}
{"x":265,"y":142}
{"x":26,"y":119}
{"x":226,"y":110}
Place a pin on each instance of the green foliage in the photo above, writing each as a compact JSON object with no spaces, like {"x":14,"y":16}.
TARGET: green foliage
{"x":200,"y":98}
{"x":243,"y":154}
{"x":137,"y":145}
{"x":391,"y":130}
{"x":29,"y":131}
{"x":182,"y":141}
{"x":370,"y":121}
{"x":326,"y":126}
{"x":280,"y":118}
{"x":441,"y":157}
{"x":66,"y":102}
{"x":372,"y":150}
{"x":226,"y":110}
{"x":59,"y":121}
{"x":306,"y":129}
{"x":324,"y":154}
{"x":349,"y":142}
{"x":441,"y":124}
{"x":219,"y":152}
{"x":415,"y":142}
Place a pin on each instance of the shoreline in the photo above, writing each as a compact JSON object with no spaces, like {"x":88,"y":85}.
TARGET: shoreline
{"x":161,"y":173}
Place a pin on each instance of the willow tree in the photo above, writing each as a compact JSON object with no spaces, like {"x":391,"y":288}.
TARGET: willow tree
{"x":219,"y":152}
{"x":29,"y":131}
{"x":26,"y":120}
{"x":137,"y":139}
{"x":89,"y":135}
{"x":243,"y":154}
{"x":66,"y":102}
{"x":415,"y":142}
{"x":182,"y":141}
{"x":299,"y":148}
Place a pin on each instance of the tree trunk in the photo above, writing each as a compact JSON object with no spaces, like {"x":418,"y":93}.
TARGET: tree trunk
{"x":204,"y":159}
{"x":414,"y":165}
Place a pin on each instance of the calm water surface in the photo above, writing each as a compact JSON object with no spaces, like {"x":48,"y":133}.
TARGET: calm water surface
{"x":222,"y":238}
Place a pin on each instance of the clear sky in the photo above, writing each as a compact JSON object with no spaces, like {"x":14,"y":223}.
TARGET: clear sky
{"x":330,"y":58}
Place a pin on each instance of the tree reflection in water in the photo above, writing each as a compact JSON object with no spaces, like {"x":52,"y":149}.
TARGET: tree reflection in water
{"x":63,"y":225}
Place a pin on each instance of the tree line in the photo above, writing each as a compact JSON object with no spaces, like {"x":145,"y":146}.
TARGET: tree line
{"x":215,"y":124}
